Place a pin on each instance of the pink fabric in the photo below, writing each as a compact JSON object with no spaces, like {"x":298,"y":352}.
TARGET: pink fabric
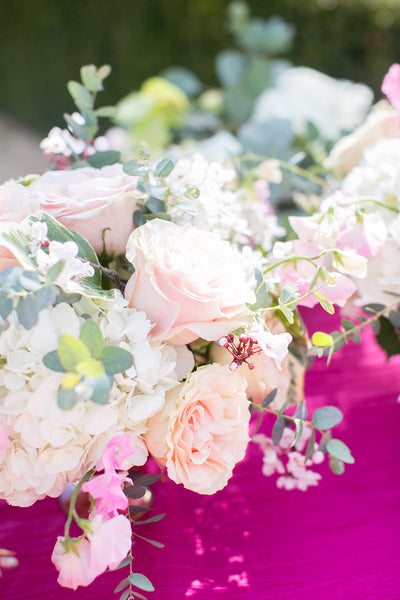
{"x":339,"y":541}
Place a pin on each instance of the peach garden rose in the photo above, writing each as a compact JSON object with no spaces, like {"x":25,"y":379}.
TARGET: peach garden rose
{"x":189,"y":282}
{"x":202,"y":431}
{"x":89,"y":201}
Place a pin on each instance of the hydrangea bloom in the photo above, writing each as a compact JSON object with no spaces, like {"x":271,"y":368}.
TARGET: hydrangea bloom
{"x":48,"y":446}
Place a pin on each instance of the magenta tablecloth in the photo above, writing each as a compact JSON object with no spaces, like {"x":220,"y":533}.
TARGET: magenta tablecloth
{"x":338,"y":541}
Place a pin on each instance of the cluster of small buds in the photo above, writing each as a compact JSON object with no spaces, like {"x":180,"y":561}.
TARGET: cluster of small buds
{"x":245,"y":348}
{"x":288,"y":462}
{"x":62,"y":148}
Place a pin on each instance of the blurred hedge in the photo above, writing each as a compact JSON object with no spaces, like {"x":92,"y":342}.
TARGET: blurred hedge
{"x":44,"y":42}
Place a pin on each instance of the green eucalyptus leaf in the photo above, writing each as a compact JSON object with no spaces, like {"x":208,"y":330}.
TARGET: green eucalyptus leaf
{"x":132,"y":167}
{"x":269,"y":398}
{"x":135,"y":492}
{"x":373,"y":308}
{"x":66,"y":397}
{"x":230,"y":66}
{"x":90,"y":368}
{"x":263,"y":298}
{"x":46,"y":296}
{"x":155,"y":205}
{"x":339,"y":450}
{"x":164,"y":167}
{"x":29,"y":281}
{"x":141,"y":582}
{"x":122,"y":584}
{"x":99,"y":387}
{"x":5,"y":306}
{"x":394,"y":318}
{"x":327,"y":417}
{"x":147,"y":479}
{"x":124,"y":563}
{"x":80,"y":95}
{"x":54,"y":271}
{"x":106,"y":111}
{"x":92,"y":337}
{"x":336,"y":465}
{"x":90,"y":78}
{"x":77,"y":129}
{"x":115,"y":360}
{"x":71,"y":351}
{"x":298,"y":432}
{"x":27,"y":311}
{"x":51,"y":361}
{"x":324,"y":302}
{"x":387,"y":337}
{"x":151,"y":519}
{"x":287,"y":312}
{"x":103,"y":158}
{"x":310,"y":446}
{"x":301,"y":411}
{"x":277,"y":430}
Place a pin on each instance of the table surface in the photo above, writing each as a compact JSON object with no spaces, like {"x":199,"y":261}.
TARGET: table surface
{"x":337,"y":541}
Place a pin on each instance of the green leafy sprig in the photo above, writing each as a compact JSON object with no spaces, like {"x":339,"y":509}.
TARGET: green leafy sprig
{"x":88,"y":366}
{"x":323,"y":420}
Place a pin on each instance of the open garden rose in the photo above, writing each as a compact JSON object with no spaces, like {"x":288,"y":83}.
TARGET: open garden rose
{"x":202,"y":432}
{"x":189,"y":282}
{"x":91,"y":201}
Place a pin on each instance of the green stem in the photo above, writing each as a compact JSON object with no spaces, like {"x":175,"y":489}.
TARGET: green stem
{"x":293,"y":419}
{"x":303,"y":173}
{"x":294,"y":257}
{"x":71,"y":512}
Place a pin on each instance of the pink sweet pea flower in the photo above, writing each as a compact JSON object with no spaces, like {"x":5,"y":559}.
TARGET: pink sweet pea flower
{"x":116,"y":453}
{"x":106,"y":489}
{"x":73,"y":565}
{"x":274,"y":345}
{"x":110,"y":542}
{"x":391,"y":85}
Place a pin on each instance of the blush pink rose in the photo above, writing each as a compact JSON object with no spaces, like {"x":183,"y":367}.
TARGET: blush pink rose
{"x":15,"y":205}
{"x":202,"y":431}
{"x":189,"y":282}
{"x":90,"y":200}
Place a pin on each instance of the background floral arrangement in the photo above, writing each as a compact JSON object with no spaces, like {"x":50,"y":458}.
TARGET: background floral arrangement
{"x":149,"y":310}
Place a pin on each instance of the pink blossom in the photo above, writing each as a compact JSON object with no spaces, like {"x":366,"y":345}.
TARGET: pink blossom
{"x":80,"y":562}
{"x":110,"y":542}
{"x":391,"y":85}
{"x":274,"y":345}
{"x":73,"y":564}
{"x":114,"y":456}
{"x":107,"y":490}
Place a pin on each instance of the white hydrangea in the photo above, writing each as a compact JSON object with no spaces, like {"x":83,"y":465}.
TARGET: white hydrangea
{"x":302,"y":94}
{"x":378,"y":175}
{"x":47,"y":446}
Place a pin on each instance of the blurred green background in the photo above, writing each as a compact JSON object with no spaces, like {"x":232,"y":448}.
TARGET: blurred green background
{"x":44,"y":42}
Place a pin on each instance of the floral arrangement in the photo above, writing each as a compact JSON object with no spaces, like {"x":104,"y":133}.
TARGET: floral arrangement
{"x":149,"y":310}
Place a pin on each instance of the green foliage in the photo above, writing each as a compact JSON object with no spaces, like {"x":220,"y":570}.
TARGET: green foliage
{"x":339,"y":450}
{"x":327,"y":417}
{"x":88,"y":366}
{"x":58,"y":37}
